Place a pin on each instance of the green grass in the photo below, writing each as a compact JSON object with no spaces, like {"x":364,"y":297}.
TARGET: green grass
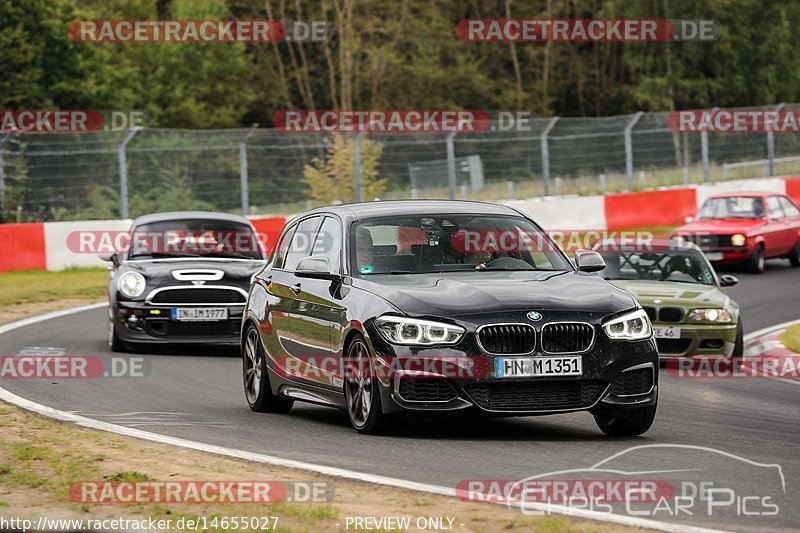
{"x":32,"y":286}
{"x":791,"y":338}
{"x":128,"y":476}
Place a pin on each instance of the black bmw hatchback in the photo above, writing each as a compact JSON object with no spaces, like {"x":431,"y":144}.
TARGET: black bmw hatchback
{"x":387,"y":309}
{"x":182,"y":278}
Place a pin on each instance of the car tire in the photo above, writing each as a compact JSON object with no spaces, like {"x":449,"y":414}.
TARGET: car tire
{"x":115,"y":344}
{"x":255,"y":377}
{"x":794,"y":257}
{"x":738,"y":347}
{"x":637,"y":422}
{"x":757,"y":263}
{"x":362,"y":391}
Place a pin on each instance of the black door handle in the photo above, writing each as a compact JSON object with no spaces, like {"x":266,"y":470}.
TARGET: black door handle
{"x":296,"y":288}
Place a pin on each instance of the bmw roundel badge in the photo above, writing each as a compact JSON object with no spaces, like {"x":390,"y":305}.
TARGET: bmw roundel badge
{"x":535,"y":316}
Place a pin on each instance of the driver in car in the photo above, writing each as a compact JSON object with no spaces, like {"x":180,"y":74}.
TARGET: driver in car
{"x":680,"y":269}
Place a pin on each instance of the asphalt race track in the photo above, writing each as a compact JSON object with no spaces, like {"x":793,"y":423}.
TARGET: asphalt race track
{"x":199,"y":396}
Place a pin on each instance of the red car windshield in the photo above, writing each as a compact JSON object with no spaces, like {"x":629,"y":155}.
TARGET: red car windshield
{"x":732,"y":207}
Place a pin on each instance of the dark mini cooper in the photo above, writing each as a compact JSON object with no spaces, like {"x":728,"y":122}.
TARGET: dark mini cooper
{"x":386,"y":309}
{"x":183,"y":278}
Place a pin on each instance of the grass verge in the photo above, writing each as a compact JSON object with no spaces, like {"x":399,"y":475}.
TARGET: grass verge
{"x":791,"y":338}
{"x":40,"y":459}
{"x":33,"y":292}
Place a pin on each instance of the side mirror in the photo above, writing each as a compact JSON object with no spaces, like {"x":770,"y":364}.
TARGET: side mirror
{"x":315,"y":267}
{"x":726,"y":280}
{"x":589,"y":261}
{"x":114,"y":258}
{"x":688,"y":220}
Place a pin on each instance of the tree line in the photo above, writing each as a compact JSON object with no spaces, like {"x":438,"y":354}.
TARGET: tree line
{"x":400,"y":54}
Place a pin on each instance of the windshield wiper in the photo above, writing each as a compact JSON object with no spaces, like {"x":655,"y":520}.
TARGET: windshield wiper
{"x":163,"y":254}
{"x":234,"y":256}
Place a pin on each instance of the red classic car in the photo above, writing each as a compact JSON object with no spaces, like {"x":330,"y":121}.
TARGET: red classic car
{"x":746,"y":227}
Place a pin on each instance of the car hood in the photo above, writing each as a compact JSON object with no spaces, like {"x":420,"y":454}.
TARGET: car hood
{"x":721,"y":226}
{"x":674,"y":294}
{"x":470,"y":293}
{"x":160,"y":272}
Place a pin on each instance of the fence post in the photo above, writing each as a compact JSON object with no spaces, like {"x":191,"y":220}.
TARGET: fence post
{"x":629,"y":148}
{"x":771,"y":145}
{"x":357,"y":166}
{"x":3,"y":139}
{"x":244,"y":179}
{"x":546,"y":155}
{"x":451,"y":165}
{"x":123,"y":173}
{"x":704,"y":151}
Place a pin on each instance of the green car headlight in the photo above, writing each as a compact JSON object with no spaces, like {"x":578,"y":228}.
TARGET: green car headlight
{"x":714,"y":316}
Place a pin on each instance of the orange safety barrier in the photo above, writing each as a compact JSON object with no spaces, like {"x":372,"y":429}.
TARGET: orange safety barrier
{"x":650,"y":209}
{"x":22,"y":247}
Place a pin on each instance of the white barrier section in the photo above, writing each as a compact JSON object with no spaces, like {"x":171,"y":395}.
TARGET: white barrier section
{"x":777,"y":185}
{"x":58,"y":254}
{"x":565,"y":212}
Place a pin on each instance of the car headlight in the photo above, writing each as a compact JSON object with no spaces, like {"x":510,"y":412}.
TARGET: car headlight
{"x":401,"y":330}
{"x":131,"y":284}
{"x":679,"y":238}
{"x":634,"y":326}
{"x":716,"y":316}
{"x":738,"y":239}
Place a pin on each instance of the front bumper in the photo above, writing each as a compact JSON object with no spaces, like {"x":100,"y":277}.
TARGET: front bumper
{"x":137,"y":322}
{"x":698,"y":340}
{"x":617,"y":376}
{"x":728,"y":255}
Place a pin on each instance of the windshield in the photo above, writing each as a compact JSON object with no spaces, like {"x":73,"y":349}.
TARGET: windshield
{"x":452,"y":243}
{"x":686,"y":266}
{"x":732,"y":207}
{"x":194,"y":238}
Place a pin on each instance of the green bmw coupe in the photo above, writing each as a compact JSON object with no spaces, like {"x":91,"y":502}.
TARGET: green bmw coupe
{"x":692,"y":315}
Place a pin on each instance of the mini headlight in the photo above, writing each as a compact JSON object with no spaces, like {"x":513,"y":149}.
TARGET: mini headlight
{"x":716,"y":316}
{"x":634,"y":326}
{"x":131,"y":284}
{"x":738,"y":239}
{"x":401,"y":330}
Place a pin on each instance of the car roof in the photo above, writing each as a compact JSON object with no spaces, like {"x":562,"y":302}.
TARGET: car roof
{"x":649,"y":245}
{"x":378,"y":209}
{"x":182,"y":215}
{"x":749,"y":194}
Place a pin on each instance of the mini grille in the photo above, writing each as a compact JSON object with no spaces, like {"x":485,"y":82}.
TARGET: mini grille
{"x":508,"y":338}
{"x":198,"y":296}
{"x":633,"y":382}
{"x":426,"y":390}
{"x":167,"y":328}
{"x":670,"y":314}
{"x":533,"y":395}
{"x":567,"y":337}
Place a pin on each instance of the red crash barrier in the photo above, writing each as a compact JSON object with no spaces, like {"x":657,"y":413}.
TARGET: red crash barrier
{"x":650,"y":209}
{"x":269,"y":229}
{"x":793,"y":189}
{"x":23,"y":247}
